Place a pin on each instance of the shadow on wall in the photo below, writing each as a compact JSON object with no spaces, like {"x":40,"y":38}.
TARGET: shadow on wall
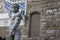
{"x":2,"y":38}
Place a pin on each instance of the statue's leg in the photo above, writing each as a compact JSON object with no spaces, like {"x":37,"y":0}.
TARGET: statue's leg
{"x":17,"y":34}
{"x":12,"y":36}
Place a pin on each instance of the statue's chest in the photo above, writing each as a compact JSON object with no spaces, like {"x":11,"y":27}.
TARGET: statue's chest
{"x":14,"y":20}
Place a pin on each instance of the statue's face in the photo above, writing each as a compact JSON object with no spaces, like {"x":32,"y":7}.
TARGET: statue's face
{"x":15,"y":10}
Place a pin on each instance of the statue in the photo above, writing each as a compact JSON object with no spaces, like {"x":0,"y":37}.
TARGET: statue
{"x":15,"y":21}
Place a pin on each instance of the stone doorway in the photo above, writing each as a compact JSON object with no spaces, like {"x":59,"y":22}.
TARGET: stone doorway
{"x":34,"y":29}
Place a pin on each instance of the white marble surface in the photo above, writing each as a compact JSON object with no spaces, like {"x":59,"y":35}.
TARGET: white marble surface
{"x":4,"y":15}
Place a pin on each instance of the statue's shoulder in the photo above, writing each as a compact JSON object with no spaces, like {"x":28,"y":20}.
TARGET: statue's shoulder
{"x":19,"y":14}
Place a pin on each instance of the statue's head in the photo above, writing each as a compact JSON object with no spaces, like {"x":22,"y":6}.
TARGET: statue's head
{"x":15,"y":8}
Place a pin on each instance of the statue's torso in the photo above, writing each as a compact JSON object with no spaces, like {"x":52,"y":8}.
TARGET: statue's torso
{"x":13,"y":20}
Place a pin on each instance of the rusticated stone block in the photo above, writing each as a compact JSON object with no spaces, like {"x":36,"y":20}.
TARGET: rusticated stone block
{"x":54,"y":10}
{"x":49,"y":11}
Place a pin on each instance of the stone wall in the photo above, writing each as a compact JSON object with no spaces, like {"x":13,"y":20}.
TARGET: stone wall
{"x":3,"y":32}
{"x":50,"y":18}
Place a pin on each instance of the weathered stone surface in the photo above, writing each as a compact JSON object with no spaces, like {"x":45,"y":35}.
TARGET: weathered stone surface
{"x":54,"y":10}
{"x":52,"y":14}
{"x":49,"y":10}
{"x":3,"y":32}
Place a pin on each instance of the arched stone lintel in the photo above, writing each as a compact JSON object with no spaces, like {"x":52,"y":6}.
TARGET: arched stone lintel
{"x":32,"y":12}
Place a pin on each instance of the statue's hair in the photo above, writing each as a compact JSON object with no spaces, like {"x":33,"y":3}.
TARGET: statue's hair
{"x":15,"y":5}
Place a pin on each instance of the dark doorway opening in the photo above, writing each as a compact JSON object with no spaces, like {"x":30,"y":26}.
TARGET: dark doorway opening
{"x":0,"y":38}
{"x":3,"y":38}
